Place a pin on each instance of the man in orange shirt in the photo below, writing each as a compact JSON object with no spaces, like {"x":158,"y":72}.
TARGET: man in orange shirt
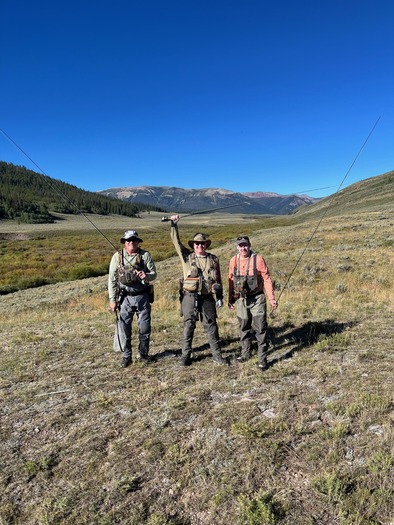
{"x":248,"y":279}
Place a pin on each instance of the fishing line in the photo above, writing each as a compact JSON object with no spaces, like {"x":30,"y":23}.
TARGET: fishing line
{"x":308,"y":191}
{"x":69,"y":201}
{"x":330,"y":202}
{"x":328,"y":207}
{"x":58,"y":190}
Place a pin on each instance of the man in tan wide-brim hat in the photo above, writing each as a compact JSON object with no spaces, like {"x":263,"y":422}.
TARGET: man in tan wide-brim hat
{"x":201,"y":292}
{"x":202,"y":238}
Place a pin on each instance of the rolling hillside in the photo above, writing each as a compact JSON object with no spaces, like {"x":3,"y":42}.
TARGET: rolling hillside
{"x":30,"y":197}
{"x":372,"y":194}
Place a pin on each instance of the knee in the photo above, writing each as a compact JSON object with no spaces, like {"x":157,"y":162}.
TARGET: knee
{"x":145,"y":328}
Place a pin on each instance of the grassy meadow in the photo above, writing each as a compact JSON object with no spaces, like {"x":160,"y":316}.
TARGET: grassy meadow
{"x":308,"y":442}
{"x":79,"y":247}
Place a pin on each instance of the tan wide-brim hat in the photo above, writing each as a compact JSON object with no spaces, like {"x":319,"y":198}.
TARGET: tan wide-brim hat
{"x":200,"y":237}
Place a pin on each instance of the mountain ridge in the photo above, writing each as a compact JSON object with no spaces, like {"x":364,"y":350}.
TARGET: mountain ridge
{"x":191,"y":199}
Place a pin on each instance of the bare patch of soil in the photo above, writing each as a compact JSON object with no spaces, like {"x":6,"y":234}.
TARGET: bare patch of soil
{"x":14,"y":237}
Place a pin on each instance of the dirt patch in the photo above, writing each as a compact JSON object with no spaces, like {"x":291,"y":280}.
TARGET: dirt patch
{"x":14,"y":237}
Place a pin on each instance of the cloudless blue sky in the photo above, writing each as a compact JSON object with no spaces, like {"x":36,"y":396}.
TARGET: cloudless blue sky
{"x":246,"y":95}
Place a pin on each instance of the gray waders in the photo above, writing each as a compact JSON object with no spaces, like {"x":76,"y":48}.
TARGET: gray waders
{"x":138,"y":305}
{"x":195,"y":306}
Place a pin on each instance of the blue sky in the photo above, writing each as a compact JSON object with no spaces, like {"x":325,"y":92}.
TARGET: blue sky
{"x":246,"y":95}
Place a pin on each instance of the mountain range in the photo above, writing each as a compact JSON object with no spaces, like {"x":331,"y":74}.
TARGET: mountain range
{"x":184,"y":200}
{"x":30,"y":197}
{"x":27,"y":196}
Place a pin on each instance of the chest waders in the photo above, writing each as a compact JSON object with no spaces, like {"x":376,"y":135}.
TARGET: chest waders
{"x":245,"y":285}
{"x":251,"y":312}
{"x":196,"y":283}
{"x":133,"y":297}
{"x":200,"y":304}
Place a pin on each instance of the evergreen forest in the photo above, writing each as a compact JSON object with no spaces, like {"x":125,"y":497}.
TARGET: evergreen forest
{"x":29,"y":197}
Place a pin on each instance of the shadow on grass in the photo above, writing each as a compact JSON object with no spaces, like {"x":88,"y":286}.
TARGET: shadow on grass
{"x":300,"y":337}
{"x":288,"y":337}
{"x":197,"y":351}
{"x":169,"y":352}
{"x":164,"y":354}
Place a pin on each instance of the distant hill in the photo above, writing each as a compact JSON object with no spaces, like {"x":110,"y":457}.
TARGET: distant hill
{"x":280,"y":204}
{"x":190,"y":200}
{"x":372,"y":194}
{"x":30,"y":197}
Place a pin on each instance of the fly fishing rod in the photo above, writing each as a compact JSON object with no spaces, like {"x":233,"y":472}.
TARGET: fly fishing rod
{"x":166,"y":219}
{"x":57,"y":189}
{"x":54,"y":186}
{"x":328,"y":207}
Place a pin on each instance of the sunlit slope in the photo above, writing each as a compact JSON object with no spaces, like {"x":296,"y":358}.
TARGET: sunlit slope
{"x":373,"y":194}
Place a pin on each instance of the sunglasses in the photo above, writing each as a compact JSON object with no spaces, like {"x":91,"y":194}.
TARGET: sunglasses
{"x":200,"y":243}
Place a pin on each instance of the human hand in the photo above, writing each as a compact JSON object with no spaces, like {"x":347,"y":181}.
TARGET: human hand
{"x":219,"y":303}
{"x":112,"y":306}
{"x":175,"y":218}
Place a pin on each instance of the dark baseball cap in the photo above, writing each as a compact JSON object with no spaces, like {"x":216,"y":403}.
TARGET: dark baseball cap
{"x":243,"y":239}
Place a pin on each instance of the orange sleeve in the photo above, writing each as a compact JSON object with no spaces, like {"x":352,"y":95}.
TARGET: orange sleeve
{"x":262,"y":268}
{"x":230,"y":277}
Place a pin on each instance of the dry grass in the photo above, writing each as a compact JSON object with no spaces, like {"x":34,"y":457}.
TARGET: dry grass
{"x":310,"y":441}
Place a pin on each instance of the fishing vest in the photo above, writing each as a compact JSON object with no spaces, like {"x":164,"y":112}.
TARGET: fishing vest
{"x":126,"y":272}
{"x":246,"y":284}
{"x":196,"y":281}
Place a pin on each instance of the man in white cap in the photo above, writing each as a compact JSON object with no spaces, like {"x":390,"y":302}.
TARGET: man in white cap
{"x":248,"y":282}
{"x":130,"y":272}
{"x":201,"y":292}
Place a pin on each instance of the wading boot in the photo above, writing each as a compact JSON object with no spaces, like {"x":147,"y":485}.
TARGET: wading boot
{"x":219,"y":360}
{"x":263,"y":365}
{"x":143,"y":349}
{"x":185,"y":360}
{"x":246,"y":353}
{"x":243,"y":358}
{"x":126,"y":361}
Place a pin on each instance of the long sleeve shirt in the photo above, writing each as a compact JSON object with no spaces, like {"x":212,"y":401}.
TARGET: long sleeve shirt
{"x":244,"y":266}
{"x":129,"y":261}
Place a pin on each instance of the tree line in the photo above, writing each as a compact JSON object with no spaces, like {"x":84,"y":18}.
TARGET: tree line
{"x":30,"y":197}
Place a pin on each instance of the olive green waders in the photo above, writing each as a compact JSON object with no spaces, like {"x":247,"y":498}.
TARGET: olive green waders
{"x":252,"y":313}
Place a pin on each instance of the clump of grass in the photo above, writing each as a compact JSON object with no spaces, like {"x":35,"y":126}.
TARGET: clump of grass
{"x":334,"y":485}
{"x":259,"y":509}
